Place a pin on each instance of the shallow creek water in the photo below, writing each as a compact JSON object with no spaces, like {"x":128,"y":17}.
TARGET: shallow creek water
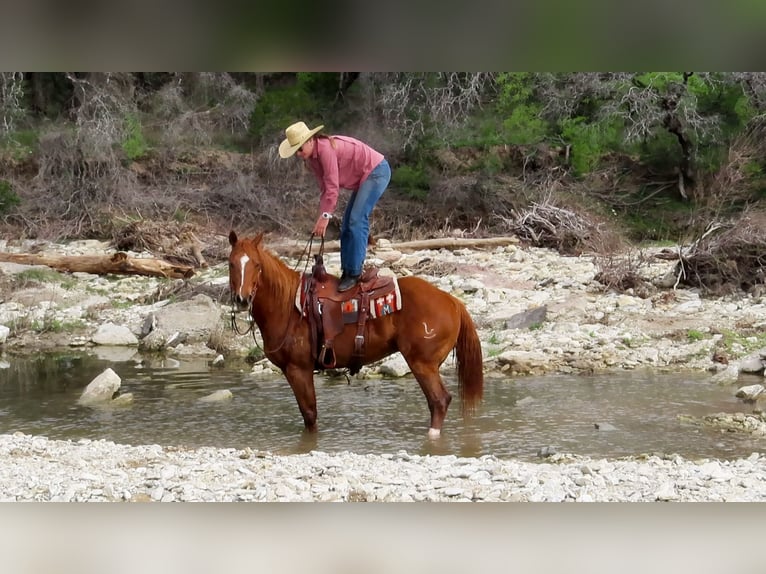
{"x":636,"y":412}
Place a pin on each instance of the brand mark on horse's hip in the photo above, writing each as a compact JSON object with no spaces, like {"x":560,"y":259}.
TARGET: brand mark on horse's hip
{"x":430,"y":333}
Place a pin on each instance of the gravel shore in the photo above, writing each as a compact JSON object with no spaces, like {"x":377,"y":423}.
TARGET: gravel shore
{"x":39,"y":469}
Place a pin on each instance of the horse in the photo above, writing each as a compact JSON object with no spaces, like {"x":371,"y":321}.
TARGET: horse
{"x":430,"y":324}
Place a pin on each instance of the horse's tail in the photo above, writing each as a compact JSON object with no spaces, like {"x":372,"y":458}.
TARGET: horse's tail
{"x":470,"y":366}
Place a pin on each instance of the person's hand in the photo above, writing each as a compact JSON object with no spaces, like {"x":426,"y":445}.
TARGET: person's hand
{"x":320,"y":226}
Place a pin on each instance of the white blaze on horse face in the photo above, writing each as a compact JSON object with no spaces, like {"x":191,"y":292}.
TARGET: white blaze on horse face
{"x":242,"y":266}
{"x":430,"y":333}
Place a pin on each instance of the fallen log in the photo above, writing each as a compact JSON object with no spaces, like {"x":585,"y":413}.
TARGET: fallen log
{"x":294,"y":249}
{"x":453,"y":243}
{"x":118,"y":263}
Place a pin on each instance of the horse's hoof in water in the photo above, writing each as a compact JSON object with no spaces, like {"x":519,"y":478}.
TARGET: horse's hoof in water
{"x":434,"y":433}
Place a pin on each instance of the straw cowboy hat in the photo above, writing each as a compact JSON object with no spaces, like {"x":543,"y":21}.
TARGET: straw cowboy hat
{"x":297,"y":135}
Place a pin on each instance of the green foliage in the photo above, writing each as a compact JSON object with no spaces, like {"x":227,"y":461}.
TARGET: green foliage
{"x":656,"y":224}
{"x":693,"y":335}
{"x":727,"y":102}
{"x":589,"y":141}
{"x":310,"y":100}
{"x":661,"y":81}
{"x":739,"y":344}
{"x":413,"y":181}
{"x":753,"y":170}
{"x":492,"y":163}
{"x":523,"y":123}
{"x":47,"y":324}
{"x":662,"y":151}
{"x":279,"y":108}
{"x":321,"y":85}
{"x":515,"y":88}
{"x":38,"y":276}
{"x":20,"y":144}
{"x":134,"y":143}
{"x":181,"y":215}
{"x":481,"y":130}
{"x":52,"y":325}
{"x":8,"y":197}
{"x":525,"y":126}
{"x":721,"y":105}
{"x":254,"y":354}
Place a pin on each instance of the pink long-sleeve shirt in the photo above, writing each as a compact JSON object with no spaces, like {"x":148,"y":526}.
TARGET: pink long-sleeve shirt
{"x":346,"y":165}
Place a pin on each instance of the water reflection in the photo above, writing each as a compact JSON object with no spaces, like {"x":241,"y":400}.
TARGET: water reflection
{"x":635,"y":412}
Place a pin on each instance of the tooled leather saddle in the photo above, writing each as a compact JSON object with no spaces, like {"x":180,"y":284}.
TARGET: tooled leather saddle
{"x":329,"y":312}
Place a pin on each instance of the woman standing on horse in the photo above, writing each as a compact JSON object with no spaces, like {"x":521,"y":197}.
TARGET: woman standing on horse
{"x":341,"y":162}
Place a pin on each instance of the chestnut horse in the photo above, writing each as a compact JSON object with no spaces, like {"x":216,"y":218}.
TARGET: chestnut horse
{"x":430,"y":324}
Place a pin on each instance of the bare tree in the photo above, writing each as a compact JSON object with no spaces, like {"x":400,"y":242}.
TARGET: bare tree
{"x":233,"y":101}
{"x":11,"y":106}
{"x":754,"y":86}
{"x":416,"y":102}
{"x":84,"y":166}
{"x":184,"y":105}
{"x":105,"y":101}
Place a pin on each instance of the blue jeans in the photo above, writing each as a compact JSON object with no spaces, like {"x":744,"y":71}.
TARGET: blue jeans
{"x":355,"y":226}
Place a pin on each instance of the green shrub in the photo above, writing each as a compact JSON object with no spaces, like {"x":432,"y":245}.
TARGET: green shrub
{"x":523,"y":123}
{"x":413,"y":181}
{"x":525,"y":126}
{"x":19,"y":144}
{"x":8,"y":197}
{"x":589,"y":141}
{"x":279,"y":108}
{"x":134,"y":144}
{"x":43,"y":276}
{"x":693,"y":335}
{"x":321,"y":85}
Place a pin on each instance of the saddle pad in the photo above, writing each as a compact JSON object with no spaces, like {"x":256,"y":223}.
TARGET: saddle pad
{"x":383,"y":304}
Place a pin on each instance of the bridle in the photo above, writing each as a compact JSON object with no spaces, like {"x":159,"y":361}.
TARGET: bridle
{"x":251,"y":297}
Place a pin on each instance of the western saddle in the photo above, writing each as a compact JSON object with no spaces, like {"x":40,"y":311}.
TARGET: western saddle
{"x":329,"y":311}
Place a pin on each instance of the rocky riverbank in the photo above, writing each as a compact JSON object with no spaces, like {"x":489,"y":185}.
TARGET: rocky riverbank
{"x":46,"y":470}
{"x":536,"y":312}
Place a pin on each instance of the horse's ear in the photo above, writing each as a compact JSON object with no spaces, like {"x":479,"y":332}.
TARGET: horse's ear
{"x":232,"y":237}
{"x":258,"y":239}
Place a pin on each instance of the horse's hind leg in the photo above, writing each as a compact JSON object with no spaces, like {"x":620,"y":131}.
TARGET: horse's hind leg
{"x":302,"y":383}
{"x":438,"y":397}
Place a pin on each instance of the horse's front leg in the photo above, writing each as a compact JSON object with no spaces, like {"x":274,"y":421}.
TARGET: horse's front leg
{"x":301,"y":381}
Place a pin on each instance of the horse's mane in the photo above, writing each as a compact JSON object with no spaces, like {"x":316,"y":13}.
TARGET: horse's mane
{"x":282,"y":281}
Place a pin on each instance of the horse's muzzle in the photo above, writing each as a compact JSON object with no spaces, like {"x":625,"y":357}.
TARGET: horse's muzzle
{"x":240,"y":301}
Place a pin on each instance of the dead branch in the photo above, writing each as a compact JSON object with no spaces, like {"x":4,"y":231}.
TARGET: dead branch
{"x":727,"y":256}
{"x":569,"y":232}
{"x":177,"y":242}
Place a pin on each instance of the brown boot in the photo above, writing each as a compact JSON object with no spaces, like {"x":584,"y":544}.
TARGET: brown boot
{"x":347,"y":282}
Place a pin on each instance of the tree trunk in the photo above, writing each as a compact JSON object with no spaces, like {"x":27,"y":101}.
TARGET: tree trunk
{"x":292,"y":249}
{"x":118,"y":263}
